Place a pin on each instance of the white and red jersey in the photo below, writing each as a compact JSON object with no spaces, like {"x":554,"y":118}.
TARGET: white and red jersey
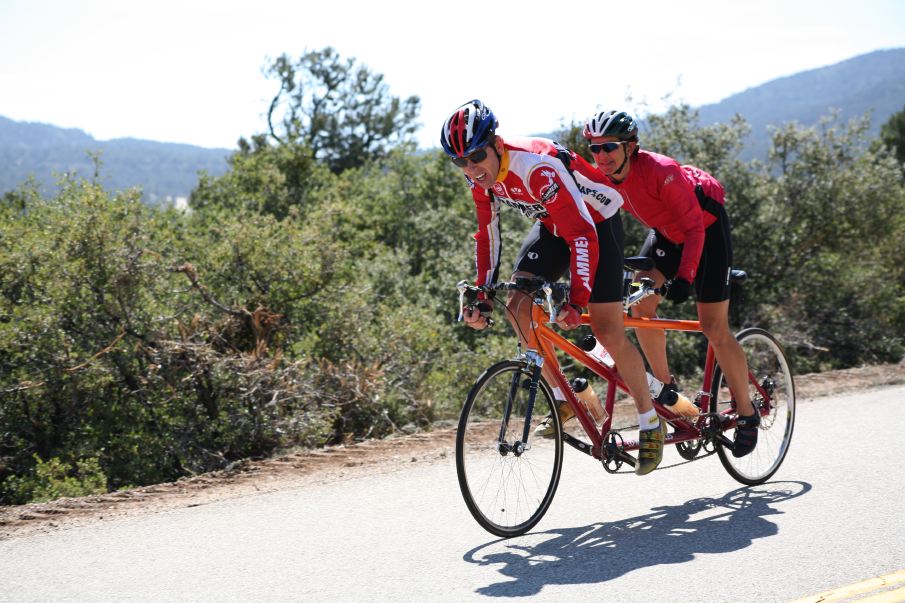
{"x":660,"y":193}
{"x":567,"y":200}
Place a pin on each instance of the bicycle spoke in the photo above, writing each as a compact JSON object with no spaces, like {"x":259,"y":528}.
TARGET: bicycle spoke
{"x":508,"y":490}
{"x":772,"y":392}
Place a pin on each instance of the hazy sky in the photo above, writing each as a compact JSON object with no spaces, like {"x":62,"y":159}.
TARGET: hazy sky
{"x":191,"y":70}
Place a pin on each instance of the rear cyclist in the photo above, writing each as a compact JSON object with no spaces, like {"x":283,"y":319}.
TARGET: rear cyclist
{"x":577,"y":228}
{"x":690,"y":243}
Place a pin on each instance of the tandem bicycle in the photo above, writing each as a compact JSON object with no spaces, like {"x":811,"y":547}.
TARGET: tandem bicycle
{"x":508,"y":475}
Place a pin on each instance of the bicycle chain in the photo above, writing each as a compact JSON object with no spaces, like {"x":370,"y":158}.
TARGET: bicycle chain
{"x":700,"y":456}
{"x":677,"y":464}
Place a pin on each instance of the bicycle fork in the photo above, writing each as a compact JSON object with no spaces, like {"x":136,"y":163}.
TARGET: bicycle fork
{"x":535,"y":362}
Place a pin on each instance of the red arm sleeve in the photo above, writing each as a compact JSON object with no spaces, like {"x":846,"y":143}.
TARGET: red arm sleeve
{"x":678,"y":193}
{"x":487,"y":238}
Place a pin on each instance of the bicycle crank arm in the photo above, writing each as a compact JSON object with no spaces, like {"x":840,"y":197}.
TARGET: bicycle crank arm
{"x":626,"y":458}
{"x":726,"y":442}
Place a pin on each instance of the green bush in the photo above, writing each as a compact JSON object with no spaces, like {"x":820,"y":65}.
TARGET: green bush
{"x":296,"y":307}
{"x":56,"y":479}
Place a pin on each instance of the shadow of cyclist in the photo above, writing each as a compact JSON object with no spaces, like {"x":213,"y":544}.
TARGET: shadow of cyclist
{"x":671,"y":534}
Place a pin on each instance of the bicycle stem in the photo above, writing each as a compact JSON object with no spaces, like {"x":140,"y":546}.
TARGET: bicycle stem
{"x":646,"y":290}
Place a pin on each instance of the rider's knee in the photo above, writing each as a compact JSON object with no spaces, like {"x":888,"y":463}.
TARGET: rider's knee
{"x":645,"y":309}
{"x":516,"y":300}
{"x":610,"y":334}
{"x":516,"y":306}
{"x":716,"y":331}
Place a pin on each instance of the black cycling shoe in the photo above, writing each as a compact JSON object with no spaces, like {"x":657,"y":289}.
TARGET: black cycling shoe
{"x":745,"y":438}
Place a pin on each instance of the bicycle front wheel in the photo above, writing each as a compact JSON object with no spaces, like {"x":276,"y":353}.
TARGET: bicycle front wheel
{"x":507,"y":480}
{"x":771,"y":387}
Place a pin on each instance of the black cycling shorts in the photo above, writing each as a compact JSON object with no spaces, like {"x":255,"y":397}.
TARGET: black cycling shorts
{"x":546,"y":255}
{"x":712,"y":280}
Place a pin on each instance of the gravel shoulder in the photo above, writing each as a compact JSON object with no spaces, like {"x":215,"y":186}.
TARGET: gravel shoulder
{"x":304,"y":467}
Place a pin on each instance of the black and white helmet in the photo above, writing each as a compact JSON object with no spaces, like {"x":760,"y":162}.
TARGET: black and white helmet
{"x":611,"y":123}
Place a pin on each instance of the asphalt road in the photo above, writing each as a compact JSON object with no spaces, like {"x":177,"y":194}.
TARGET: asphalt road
{"x":833,"y":515}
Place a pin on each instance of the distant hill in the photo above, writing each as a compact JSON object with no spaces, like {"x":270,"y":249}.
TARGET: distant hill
{"x":870,"y":82}
{"x":162,"y":170}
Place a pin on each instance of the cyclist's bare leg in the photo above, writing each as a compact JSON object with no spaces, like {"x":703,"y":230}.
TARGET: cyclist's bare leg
{"x":519,"y":316}
{"x":653,"y":341}
{"x":714,"y":319}
{"x":609,"y":329}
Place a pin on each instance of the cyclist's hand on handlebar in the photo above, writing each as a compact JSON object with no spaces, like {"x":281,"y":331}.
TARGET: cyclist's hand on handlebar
{"x":678,"y":291}
{"x":478,"y":316}
{"x":569,"y":317}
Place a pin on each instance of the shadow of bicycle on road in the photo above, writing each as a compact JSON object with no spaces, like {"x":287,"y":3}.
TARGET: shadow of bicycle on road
{"x":597,"y":553}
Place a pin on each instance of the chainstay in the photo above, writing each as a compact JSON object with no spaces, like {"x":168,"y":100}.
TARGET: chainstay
{"x":676,"y":464}
{"x":702,"y":455}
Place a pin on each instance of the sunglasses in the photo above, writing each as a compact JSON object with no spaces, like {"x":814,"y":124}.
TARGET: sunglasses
{"x":476,"y":157}
{"x":606,"y":147}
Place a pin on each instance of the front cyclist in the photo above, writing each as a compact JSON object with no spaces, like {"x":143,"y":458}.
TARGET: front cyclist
{"x":577,"y":227}
{"x":690,"y":243}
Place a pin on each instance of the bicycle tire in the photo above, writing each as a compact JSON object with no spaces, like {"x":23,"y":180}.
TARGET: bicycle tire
{"x":768,"y":365}
{"x":507,"y":493}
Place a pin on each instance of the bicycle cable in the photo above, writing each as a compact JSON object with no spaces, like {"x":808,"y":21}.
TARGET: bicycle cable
{"x":515,"y":321}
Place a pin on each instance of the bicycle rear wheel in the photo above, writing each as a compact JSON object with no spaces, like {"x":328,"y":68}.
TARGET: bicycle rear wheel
{"x":508,"y":483}
{"x":769,"y":370}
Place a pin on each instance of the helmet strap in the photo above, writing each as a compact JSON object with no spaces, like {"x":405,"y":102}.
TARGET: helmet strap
{"x":492,"y":145}
{"x":622,"y":166}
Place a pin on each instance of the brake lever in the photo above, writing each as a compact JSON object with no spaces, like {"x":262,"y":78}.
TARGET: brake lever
{"x":548,"y":291}
{"x":462,"y":286}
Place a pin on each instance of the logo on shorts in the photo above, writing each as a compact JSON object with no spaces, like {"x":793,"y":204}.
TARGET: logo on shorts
{"x":660,"y":253}
{"x":533,"y":255}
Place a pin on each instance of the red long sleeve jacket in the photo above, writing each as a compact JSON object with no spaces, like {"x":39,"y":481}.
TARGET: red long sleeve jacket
{"x":545,"y":182}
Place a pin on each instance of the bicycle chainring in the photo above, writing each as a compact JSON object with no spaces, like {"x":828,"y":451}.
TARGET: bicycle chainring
{"x":613,"y":445}
{"x":689,"y":450}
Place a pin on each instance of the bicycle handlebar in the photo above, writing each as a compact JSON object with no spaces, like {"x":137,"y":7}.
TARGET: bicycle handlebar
{"x":554,"y":294}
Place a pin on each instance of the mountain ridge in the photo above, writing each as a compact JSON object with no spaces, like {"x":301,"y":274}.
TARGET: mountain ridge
{"x":873,"y":82}
{"x":165,"y":171}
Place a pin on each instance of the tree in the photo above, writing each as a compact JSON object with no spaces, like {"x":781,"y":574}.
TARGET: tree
{"x":892,"y":133}
{"x":829,"y":240}
{"x":264,"y":178}
{"x":571,"y":137}
{"x":340,"y":110}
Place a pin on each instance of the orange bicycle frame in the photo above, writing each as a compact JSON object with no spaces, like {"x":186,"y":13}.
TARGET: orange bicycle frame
{"x":546,"y":341}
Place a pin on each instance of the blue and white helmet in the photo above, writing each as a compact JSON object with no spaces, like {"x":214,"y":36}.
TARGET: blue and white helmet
{"x":469,"y":128}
